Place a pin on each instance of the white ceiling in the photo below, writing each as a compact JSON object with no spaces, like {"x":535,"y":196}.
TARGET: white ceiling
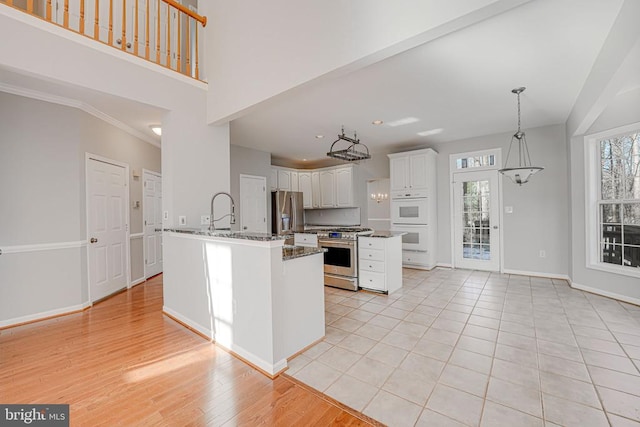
{"x":461,"y":83}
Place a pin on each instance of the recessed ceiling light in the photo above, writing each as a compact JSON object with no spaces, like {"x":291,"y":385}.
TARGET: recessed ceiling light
{"x":402,"y":122}
{"x":157,"y":129}
{"x":377,"y":122}
{"x":430,"y":132}
{"x":319,"y":136}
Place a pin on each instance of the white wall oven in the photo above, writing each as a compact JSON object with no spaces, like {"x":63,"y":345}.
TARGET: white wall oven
{"x":409,"y":210}
{"x":415,"y":238}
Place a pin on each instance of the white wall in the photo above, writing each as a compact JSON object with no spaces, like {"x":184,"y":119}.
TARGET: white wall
{"x":623,"y":110}
{"x":256,"y":50}
{"x":249,"y":162}
{"x":540,"y":217}
{"x":42,"y":185}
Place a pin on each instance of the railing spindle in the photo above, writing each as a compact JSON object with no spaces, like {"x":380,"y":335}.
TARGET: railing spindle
{"x":29,"y":6}
{"x":168,"y":36}
{"x":158,"y":37}
{"x":65,"y":19}
{"x":178,"y":65}
{"x":188,"y":43}
{"x":124,"y":25}
{"x":96,"y":21}
{"x":135,"y":31}
{"x":196,"y":58}
{"x":146,"y":36}
{"x":48,"y":12}
{"x":110,"y":22}
{"x":81,"y":27}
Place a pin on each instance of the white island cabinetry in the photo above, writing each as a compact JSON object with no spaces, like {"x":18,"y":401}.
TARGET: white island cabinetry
{"x":264,"y":314}
{"x":380,"y":262}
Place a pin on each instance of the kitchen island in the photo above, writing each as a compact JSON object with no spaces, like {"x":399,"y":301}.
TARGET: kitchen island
{"x":251,"y":294}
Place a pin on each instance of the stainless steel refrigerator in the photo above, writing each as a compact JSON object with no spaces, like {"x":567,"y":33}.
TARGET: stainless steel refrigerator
{"x":287,"y":212}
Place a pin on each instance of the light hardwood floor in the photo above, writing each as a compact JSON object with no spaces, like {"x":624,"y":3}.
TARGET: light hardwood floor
{"x":122,"y":362}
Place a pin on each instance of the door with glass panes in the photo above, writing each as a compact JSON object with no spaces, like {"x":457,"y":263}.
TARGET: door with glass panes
{"x":476,"y":220}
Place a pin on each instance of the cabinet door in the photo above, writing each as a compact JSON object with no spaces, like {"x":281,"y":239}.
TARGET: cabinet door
{"x":304,"y":185}
{"x":418,"y":170}
{"x":399,"y":172}
{"x":315,"y":188}
{"x":273,"y":179}
{"x":294,"y":181}
{"x":284,"y":180}
{"x":344,"y":187}
{"x":327,"y":189}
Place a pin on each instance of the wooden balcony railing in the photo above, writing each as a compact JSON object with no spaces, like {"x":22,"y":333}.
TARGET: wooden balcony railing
{"x":161,"y":31}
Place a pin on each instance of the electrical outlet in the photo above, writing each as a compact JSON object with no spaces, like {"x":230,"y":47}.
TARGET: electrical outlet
{"x":166,"y":215}
{"x":508,"y":209}
{"x":182,"y":220}
{"x":543,"y":254}
{"x":205,"y":219}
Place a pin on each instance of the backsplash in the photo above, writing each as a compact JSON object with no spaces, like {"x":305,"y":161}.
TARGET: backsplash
{"x":337,"y":216}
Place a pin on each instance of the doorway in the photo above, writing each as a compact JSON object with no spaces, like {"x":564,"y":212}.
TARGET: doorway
{"x":253,"y":203}
{"x":107,"y":226}
{"x":152,"y":214}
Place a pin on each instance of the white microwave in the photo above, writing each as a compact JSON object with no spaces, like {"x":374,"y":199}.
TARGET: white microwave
{"x":415,"y":238}
{"x":409,"y":211}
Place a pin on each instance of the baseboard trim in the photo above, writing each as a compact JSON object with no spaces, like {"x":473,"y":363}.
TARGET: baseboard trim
{"x":204,"y":332}
{"x":444,"y":265}
{"x":137,"y":282}
{"x":603,"y":293}
{"x":538,"y":274}
{"x":45,"y":315}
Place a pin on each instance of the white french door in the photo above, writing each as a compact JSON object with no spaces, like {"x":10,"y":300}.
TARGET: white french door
{"x":476,"y":220}
{"x":152,"y":214}
{"x":253,"y":203}
{"x":107,"y":205}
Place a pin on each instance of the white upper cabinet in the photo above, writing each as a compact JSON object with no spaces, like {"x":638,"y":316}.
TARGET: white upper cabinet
{"x":327,"y":189}
{"x":344,"y":187}
{"x":410,"y":171}
{"x":321,"y":188}
{"x":304,"y":185}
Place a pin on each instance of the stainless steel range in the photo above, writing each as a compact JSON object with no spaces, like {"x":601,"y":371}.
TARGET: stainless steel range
{"x":341,"y":257}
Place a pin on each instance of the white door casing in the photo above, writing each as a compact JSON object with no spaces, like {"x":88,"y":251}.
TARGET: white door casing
{"x":253,"y":203}
{"x":107,"y":227}
{"x":476,"y":216}
{"x":152,"y":222}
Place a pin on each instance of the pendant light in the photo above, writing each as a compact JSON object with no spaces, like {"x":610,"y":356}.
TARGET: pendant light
{"x":520,"y":174}
{"x":355,"y":152}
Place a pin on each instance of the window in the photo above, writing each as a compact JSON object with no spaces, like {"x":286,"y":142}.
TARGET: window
{"x":614,"y":177}
{"x":477,"y":160}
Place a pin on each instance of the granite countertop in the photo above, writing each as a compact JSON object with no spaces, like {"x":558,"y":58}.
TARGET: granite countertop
{"x":385,"y":234}
{"x":291,"y":252}
{"x":263,"y":237}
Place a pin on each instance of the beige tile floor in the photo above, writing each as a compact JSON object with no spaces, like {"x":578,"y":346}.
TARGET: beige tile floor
{"x":459,"y":347}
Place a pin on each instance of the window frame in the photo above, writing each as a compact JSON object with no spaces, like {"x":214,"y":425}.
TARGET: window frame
{"x":594,"y":201}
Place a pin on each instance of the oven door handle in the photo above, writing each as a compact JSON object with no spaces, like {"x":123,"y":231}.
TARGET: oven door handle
{"x":335,"y":244}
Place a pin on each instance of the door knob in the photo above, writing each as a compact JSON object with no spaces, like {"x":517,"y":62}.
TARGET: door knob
{"x":93,"y":240}
{"x":244,"y":228}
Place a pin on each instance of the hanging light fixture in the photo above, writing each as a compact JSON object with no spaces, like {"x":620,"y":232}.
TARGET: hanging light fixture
{"x":355,"y":152}
{"x":520,"y":174}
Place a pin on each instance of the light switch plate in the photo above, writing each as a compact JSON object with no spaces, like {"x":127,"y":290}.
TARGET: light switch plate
{"x":508,"y":209}
{"x":165,"y":215}
{"x":204,"y":219}
{"x":182,"y":220}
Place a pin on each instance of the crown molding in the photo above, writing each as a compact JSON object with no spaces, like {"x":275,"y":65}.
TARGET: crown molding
{"x":74,"y":103}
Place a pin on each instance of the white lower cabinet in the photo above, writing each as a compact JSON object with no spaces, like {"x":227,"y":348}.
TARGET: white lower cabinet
{"x":380,"y":263}
{"x":417,"y":258}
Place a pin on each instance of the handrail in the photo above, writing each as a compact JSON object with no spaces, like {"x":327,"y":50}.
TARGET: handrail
{"x":201,"y":19}
{"x":168,"y":27}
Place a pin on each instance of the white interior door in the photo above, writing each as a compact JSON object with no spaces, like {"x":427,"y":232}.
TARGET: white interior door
{"x":253,"y":203}
{"x":477,"y":220}
{"x":152,"y":213}
{"x":107,"y":227}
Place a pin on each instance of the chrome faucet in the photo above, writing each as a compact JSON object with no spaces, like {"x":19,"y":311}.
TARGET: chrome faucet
{"x":212,"y":221}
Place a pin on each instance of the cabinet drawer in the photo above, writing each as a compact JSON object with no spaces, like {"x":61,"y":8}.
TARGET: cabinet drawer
{"x":410,"y":257}
{"x":371,"y":280}
{"x":371,"y":243}
{"x":306,"y":239}
{"x":372,"y":254}
{"x":370,"y":265}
